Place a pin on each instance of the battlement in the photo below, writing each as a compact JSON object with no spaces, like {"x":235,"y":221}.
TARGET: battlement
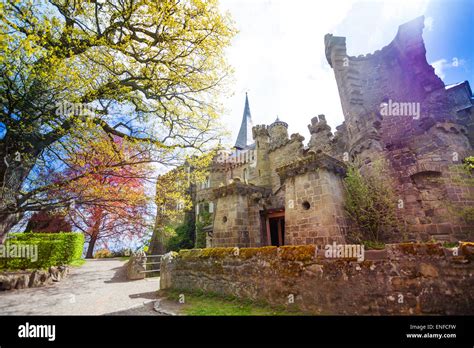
{"x":260,"y":130}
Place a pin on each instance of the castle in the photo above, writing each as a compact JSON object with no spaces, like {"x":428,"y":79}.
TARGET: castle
{"x":278,"y":190}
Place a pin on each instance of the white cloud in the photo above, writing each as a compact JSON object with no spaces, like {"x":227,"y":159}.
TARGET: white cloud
{"x":439,"y":67}
{"x":429,"y":23}
{"x":443,"y":64}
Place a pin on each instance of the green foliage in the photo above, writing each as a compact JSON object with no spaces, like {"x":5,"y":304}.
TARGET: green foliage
{"x":210,"y":304}
{"x":182,"y":238}
{"x":450,"y":244}
{"x":204,"y":220}
{"x":466,"y":214}
{"x":469,"y":163}
{"x":77,"y":263}
{"x":370,"y":202}
{"x":373,"y":245}
{"x":76,"y":68}
{"x":461,"y":175}
{"x":54,"y":249}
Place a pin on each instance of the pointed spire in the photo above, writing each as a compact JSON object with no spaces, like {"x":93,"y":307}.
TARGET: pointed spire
{"x":243,"y":137}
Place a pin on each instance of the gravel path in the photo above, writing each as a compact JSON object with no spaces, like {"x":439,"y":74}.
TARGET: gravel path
{"x":98,"y":287}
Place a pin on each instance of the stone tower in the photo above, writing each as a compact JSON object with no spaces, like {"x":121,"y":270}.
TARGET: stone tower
{"x":278,"y":132}
{"x":262,"y":145}
{"x":396,"y":107}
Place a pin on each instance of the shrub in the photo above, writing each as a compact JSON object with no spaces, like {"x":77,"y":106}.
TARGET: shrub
{"x":469,"y":163}
{"x":103,"y":253}
{"x":370,"y":201}
{"x":54,"y":249}
{"x":182,"y":238}
{"x":205,"y":220}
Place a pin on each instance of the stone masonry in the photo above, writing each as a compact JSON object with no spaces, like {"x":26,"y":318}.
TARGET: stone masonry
{"x":395,"y":108}
{"x":402,"y":279}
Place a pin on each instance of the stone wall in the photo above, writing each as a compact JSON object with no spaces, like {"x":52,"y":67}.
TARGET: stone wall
{"x":32,"y":279}
{"x":236,"y":220}
{"x":419,"y":146}
{"x":314,"y":208}
{"x":406,"y":279}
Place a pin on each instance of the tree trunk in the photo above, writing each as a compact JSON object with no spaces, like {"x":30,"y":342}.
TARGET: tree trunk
{"x":157,"y":243}
{"x":94,"y":234}
{"x":7,"y":221}
{"x":14,"y":169}
{"x":90,"y":248}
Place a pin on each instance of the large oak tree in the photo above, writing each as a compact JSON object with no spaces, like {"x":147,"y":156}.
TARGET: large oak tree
{"x":146,"y":71}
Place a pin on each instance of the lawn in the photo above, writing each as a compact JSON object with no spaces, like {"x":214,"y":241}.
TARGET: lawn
{"x":203,"y":304}
{"x":77,"y":263}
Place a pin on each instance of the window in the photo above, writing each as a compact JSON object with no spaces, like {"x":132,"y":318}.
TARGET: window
{"x":206,"y":183}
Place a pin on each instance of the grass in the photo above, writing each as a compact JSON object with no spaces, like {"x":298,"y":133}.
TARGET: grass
{"x":205,"y":304}
{"x":450,"y":244}
{"x":77,"y":263}
{"x":373,"y":245}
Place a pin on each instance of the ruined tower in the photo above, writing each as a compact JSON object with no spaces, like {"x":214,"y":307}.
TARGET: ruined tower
{"x":396,"y":107}
{"x":321,"y":134}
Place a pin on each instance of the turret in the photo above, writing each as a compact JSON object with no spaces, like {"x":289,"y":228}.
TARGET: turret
{"x":278,"y":132}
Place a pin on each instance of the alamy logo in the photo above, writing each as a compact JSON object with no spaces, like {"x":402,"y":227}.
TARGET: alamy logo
{"x":24,"y":251}
{"x":337,"y":251}
{"x":393,"y":108}
{"x":37,"y":331}
{"x":235,"y":157}
{"x":66,"y":108}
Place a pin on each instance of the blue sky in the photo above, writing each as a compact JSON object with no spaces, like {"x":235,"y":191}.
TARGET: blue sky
{"x":452,"y":37}
{"x":278,"y":55}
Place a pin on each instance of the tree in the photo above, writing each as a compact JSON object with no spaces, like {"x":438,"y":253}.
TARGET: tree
{"x":109,"y":196}
{"x":48,"y":222}
{"x":173,"y":200}
{"x":174,"y":197}
{"x":143,"y":70}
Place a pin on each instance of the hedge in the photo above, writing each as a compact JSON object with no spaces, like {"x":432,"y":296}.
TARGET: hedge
{"x":54,"y":249}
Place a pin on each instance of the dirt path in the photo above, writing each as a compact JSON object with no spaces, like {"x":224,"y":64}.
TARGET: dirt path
{"x":98,"y":287}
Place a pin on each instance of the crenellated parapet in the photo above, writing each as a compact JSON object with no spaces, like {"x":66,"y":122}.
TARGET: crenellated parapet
{"x":321,"y":134}
{"x":396,"y":107}
{"x":260,"y":130}
{"x":388,"y":97}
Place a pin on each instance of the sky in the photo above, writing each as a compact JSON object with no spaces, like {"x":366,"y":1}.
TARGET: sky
{"x":278,"y":55}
